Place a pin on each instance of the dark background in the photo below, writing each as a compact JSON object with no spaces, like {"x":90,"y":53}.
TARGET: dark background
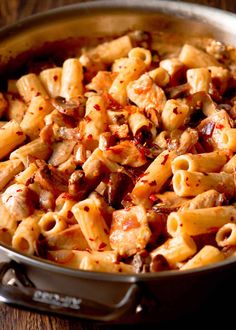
{"x":17,"y":319}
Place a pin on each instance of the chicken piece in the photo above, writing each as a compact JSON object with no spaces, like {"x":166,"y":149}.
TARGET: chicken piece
{"x":68,"y":239}
{"x":18,"y":200}
{"x":210,"y":198}
{"x":126,"y":153}
{"x":129,"y":232}
{"x":146,"y":94}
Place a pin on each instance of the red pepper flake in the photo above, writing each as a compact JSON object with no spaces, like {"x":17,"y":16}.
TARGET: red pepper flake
{"x":152,"y":183}
{"x":19,"y":133}
{"x":88,"y":250}
{"x":112,"y":103}
{"x":102,"y":246}
{"x":106,"y":231}
{"x":144,"y":181}
{"x":121,"y":81}
{"x":69,"y":214}
{"x":87,"y":119}
{"x":175,"y":110}
{"x":37,"y":94}
{"x":213,"y":229}
{"x":29,"y":181}
{"x":231,"y":218}
{"x":89,"y":137}
{"x":86,"y":208}
{"x":55,"y":78}
{"x":153,"y":197}
{"x":165,"y":159}
{"x":67,"y":196}
{"x":117,"y":262}
{"x":91,"y":239}
{"x":197,"y":185}
{"x":40,"y":108}
{"x":19,"y":190}
{"x":97,"y":262}
{"x":120,"y":269}
{"x":142,"y":175}
{"x":219,"y":126}
{"x":97,"y":107}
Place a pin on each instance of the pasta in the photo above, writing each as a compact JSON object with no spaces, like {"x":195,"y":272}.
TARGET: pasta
{"x":121,"y":158}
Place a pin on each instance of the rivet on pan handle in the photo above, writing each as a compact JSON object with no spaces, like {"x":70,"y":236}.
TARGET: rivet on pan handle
{"x":17,"y":289}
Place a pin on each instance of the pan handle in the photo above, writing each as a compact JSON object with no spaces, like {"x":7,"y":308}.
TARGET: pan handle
{"x":17,"y":289}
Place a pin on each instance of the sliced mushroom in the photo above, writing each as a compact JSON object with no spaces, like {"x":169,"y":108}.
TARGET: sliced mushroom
{"x":118,"y":186}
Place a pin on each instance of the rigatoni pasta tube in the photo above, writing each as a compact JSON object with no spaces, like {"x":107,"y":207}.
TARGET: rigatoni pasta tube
{"x":205,"y":162}
{"x":8,"y":224}
{"x":24,"y":176}
{"x":176,"y":249}
{"x":187,"y":184}
{"x":95,"y":122}
{"x":199,"y":80}
{"x":73,"y":258}
{"x":36,"y":148}
{"x":193,"y":57}
{"x":92,"y":224}
{"x":200,"y":221}
{"x":71,"y":79}
{"x":69,"y":239}
{"x":160,"y":76}
{"x":132,"y":70}
{"x":92,"y":264}
{"x":26,"y":234}
{"x":153,"y":178}
{"x":139,"y":123}
{"x":174,"y":114}
{"x":51,"y":79}
{"x":52,"y":223}
{"x":207,"y":255}
{"x":230,"y":166}
{"x":11,"y":136}
{"x":228,"y":139}
{"x":30,"y":86}
{"x":226,"y":235}
{"x":8,"y":170}
{"x":109,"y":51}
{"x":142,"y":53}
{"x":33,"y":120}
{"x":16,"y":108}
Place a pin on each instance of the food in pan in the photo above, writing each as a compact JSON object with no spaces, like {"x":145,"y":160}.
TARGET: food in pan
{"x":122,"y":157}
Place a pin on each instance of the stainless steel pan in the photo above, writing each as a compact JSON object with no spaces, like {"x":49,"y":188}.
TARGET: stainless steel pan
{"x":41,"y":285}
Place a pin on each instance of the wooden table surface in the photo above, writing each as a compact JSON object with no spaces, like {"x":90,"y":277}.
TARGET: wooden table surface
{"x":14,"y":318}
